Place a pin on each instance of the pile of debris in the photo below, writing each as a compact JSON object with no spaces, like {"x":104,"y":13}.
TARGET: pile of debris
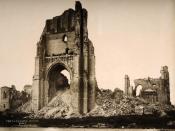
{"x":25,"y":108}
{"x":57,"y":108}
{"x":109,"y":104}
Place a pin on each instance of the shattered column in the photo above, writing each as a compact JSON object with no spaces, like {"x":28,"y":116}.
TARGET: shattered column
{"x":164,"y":97}
{"x":87,"y":80}
{"x":128,"y":88}
{"x":127,"y":85}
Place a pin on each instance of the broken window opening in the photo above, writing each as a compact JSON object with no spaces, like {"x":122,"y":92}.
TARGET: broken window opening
{"x":139,"y":90}
{"x":65,"y":38}
{"x":67,"y":74}
{"x":4,"y":95}
{"x":67,"y":50}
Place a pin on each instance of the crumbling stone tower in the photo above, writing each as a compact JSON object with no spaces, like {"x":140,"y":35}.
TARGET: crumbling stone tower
{"x":64,"y":44}
{"x":164,"y":98}
{"x":4,"y":98}
{"x":128,"y":88}
{"x":153,"y":89}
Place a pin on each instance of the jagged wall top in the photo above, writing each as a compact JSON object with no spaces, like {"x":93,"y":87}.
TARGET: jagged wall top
{"x":67,"y":21}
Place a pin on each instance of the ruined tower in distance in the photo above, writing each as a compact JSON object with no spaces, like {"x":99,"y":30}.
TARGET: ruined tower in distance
{"x":152,"y":89}
{"x":64,"y":45}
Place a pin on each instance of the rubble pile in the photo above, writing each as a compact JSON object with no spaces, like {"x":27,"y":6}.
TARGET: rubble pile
{"x":26,"y":108}
{"x":156,"y":108}
{"x":106,"y":103}
{"x":109,"y":105}
{"x":57,"y":107}
{"x":131,"y":106}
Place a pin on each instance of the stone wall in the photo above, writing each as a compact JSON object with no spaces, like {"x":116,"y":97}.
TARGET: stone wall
{"x":152,"y":89}
{"x":64,"y":45}
{"x":128,"y":87}
{"x":11,"y":99}
{"x":28,"y":89}
{"x":4,"y":98}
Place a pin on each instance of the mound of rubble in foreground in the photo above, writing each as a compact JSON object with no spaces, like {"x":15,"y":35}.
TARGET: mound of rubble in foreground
{"x":57,"y":108}
{"x":26,"y":107}
{"x":107,"y":104}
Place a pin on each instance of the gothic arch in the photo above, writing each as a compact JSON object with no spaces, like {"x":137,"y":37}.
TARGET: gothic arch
{"x":56,"y":52}
{"x":138,"y":89}
{"x":57,"y":63}
{"x":54,"y":75}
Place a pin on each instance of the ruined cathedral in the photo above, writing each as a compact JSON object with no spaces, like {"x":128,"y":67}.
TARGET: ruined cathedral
{"x":64,"y":45}
{"x":152,"y":89}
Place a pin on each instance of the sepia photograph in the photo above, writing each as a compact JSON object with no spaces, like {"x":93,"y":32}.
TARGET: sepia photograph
{"x":87,"y":65}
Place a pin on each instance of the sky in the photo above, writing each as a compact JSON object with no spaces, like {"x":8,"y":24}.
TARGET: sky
{"x":134,"y":37}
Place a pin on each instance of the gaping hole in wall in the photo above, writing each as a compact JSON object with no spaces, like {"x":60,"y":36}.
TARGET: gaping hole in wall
{"x":59,"y":80}
{"x":67,"y":50}
{"x":67,"y":74}
{"x":138,"y":90}
{"x":4,"y":95}
{"x":65,"y":38}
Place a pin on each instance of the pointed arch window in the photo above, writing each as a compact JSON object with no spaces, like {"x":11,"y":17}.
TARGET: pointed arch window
{"x":4,"y":95}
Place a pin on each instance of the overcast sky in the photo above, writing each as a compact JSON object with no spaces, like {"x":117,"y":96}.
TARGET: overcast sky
{"x":134,"y":37}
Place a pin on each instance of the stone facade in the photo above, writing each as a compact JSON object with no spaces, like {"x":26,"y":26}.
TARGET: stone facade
{"x":11,"y":99}
{"x":118,"y":94}
{"x":64,"y":45}
{"x":153,"y":89}
{"x":128,"y":88}
{"x":28,"y":89}
{"x":4,"y":98}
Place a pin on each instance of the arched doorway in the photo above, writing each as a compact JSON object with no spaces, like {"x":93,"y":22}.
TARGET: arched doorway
{"x":139,"y":90}
{"x":58,"y":80}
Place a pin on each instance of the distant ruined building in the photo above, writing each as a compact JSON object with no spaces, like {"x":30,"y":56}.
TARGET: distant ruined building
{"x":152,"y":89}
{"x":11,"y":99}
{"x":28,"y":89}
{"x":64,"y":45}
{"x":4,"y":98}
